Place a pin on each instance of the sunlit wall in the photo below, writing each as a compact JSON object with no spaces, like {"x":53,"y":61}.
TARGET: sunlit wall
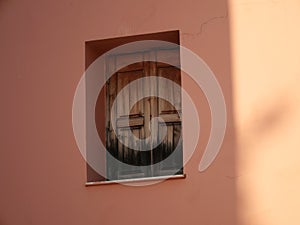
{"x":265,"y":52}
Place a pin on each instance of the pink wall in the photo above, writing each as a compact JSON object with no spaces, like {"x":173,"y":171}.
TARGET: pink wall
{"x":42,"y":59}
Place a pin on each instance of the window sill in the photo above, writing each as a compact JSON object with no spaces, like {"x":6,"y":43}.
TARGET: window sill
{"x":179,"y":176}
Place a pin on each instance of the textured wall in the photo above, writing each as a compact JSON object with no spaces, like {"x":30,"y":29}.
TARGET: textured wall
{"x":42,"y":59}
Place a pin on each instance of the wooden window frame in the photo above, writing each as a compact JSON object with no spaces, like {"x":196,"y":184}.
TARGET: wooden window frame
{"x":93,"y":50}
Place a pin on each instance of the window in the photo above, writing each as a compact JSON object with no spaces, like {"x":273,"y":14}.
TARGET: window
{"x":132,"y":97}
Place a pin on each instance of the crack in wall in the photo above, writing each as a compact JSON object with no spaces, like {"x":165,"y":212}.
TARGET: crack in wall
{"x":210,"y":20}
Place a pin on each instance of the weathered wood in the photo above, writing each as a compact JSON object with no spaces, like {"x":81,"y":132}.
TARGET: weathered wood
{"x":123,"y":59}
{"x":171,"y":118}
{"x":169,"y":55}
{"x":111,"y":139}
{"x":131,"y":122}
{"x":137,"y":119}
